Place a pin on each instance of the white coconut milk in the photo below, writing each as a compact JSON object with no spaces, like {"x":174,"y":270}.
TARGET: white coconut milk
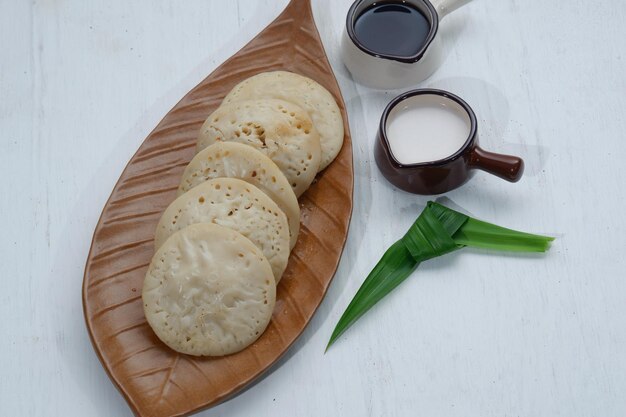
{"x":426,"y":128}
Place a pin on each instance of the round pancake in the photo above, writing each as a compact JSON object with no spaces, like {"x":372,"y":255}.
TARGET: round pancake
{"x":304,"y":92}
{"x":281,"y":130}
{"x":208,"y":291}
{"x":238,"y":205}
{"x":235,"y":160}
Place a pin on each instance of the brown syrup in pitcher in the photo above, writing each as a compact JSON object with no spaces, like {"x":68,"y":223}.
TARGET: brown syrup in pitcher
{"x":395,"y":28}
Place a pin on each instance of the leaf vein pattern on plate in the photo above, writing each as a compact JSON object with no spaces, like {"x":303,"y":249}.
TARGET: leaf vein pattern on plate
{"x":114,"y":306}
{"x":167,"y":381}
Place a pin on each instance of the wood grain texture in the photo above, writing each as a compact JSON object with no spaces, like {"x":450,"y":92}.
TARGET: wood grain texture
{"x":156,"y":381}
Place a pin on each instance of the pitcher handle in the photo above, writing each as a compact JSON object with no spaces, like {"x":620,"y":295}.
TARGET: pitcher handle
{"x":507,"y":167}
{"x":444,"y":7}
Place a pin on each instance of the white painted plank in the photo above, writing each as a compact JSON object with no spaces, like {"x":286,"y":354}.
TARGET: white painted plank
{"x":82,"y":83}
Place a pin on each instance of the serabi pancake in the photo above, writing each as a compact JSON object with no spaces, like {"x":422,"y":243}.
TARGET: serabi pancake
{"x":304,"y":92}
{"x":238,"y":205}
{"x":235,"y":160}
{"x":281,"y":130}
{"x":209,"y":291}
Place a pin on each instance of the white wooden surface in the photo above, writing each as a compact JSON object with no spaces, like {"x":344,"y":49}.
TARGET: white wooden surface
{"x":472,"y":334}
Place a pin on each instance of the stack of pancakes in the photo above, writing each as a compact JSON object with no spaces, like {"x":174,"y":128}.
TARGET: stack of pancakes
{"x":223,"y":244}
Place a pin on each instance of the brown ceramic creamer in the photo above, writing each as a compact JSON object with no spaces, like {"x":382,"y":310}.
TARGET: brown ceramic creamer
{"x":427,"y":160}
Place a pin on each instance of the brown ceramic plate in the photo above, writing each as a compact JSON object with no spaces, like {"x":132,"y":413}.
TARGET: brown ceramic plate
{"x":155,"y":380}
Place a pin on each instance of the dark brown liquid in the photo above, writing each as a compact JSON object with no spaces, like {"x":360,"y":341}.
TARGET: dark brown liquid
{"x":397,"y":29}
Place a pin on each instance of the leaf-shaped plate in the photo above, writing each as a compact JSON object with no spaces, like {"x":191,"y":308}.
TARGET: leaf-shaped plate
{"x":155,"y":380}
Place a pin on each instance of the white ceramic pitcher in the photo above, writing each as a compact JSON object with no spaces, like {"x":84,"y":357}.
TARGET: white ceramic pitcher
{"x":387,"y":71}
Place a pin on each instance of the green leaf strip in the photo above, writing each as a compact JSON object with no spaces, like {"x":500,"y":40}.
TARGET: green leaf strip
{"x":479,"y":234}
{"x":392,"y":269}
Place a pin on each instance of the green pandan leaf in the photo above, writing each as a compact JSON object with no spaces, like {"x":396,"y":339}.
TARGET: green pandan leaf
{"x":437,"y":231}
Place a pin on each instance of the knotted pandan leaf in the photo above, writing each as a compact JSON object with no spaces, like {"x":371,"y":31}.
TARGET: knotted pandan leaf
{"x":436,"y":232}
